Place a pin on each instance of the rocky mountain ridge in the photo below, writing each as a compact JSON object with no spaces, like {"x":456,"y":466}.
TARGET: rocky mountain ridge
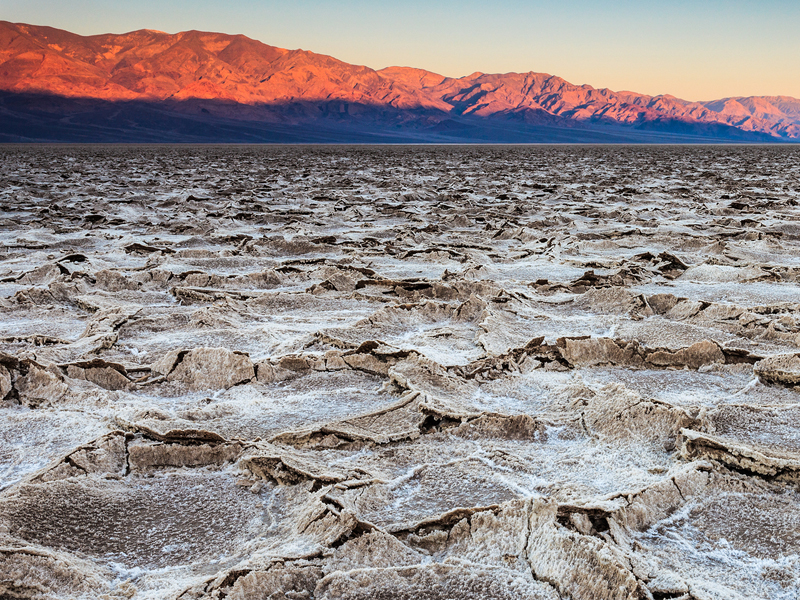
{"x":218,"y":76}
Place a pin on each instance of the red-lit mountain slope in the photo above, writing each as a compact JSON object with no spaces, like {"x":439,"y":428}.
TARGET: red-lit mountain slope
{"x":249,"y":80}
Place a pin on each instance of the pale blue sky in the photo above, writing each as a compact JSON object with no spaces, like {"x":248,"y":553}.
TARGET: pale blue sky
{"x":699,"y":50}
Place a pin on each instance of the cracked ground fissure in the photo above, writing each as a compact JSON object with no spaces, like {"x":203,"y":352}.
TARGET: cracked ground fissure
{"x":498,"y":372}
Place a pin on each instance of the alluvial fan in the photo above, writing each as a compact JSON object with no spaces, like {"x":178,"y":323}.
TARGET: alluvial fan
{"x":400,"y":372}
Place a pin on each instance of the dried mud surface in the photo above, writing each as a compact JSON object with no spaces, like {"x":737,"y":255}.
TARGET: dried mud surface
{"x":428,"y":373}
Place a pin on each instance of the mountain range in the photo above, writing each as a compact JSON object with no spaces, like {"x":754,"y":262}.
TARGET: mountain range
{"x":150,"y":86}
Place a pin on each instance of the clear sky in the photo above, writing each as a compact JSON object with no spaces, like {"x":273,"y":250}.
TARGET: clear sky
{"x":694,"y":49}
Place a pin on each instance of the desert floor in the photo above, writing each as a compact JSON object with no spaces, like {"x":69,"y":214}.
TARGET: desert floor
{"x":400,"y":372}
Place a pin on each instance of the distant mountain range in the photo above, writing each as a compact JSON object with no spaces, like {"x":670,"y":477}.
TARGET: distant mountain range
{"x":149,"y":86}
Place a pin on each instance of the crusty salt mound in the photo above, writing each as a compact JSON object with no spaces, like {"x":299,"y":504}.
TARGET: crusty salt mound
{"x":406,"y":373}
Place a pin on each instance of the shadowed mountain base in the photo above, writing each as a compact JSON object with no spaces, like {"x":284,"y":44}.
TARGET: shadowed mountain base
{"x":52,"y":118}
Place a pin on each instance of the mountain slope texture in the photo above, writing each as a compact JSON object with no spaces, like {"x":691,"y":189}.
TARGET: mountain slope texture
{"x":196,"y":86}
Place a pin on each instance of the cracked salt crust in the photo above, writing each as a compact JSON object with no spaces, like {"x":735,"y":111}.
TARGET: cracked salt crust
{"x":501,"y":372}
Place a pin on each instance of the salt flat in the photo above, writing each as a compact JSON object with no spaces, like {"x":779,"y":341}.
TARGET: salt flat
{"x":400,"y":372}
